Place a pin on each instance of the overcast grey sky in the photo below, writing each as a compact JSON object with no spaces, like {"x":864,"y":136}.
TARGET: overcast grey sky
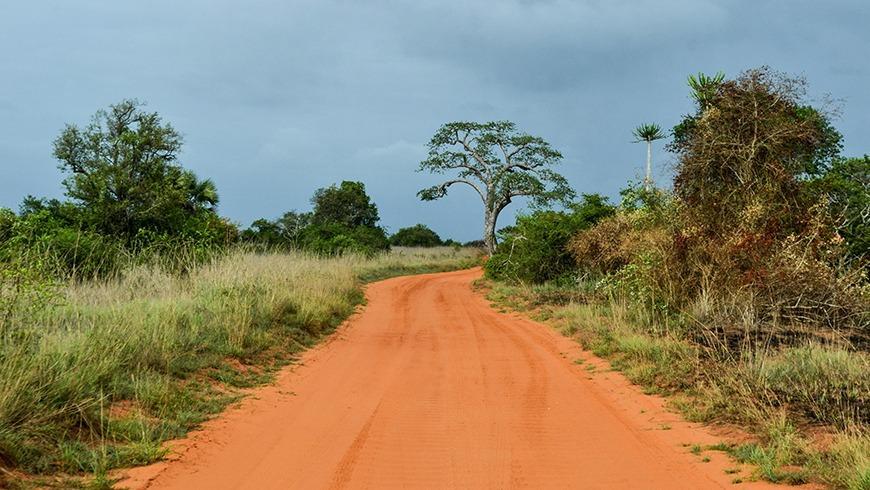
{"x":278,"y":98}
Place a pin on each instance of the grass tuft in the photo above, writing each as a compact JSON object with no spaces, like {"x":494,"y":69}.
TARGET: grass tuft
{"x":99,"y":378}
{"x":773,"y":392}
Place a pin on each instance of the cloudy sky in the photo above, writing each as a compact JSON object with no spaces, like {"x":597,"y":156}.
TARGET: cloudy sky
{"x":277,"y":98}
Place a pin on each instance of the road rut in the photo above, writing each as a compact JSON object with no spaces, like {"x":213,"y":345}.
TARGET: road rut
{"x":429,"y":387}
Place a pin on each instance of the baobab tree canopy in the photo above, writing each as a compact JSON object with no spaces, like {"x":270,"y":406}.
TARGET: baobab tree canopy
{"x":499,"y":163}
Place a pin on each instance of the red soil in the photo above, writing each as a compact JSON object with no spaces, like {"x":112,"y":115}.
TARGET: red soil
{"x":429,"y":387}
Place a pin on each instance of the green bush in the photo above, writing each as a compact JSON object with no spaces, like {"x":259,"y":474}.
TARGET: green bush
{"x":67,"y":251}
{"x":535,"y":250}
{"x":336,"y":238}
{"x":846,"y":187}
{"x":418,"y":235}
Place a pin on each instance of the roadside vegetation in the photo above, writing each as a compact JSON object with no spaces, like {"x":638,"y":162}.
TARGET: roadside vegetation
{"x":97,"y":374}
{"x":742,"y":294}
{"x":132,"y":311}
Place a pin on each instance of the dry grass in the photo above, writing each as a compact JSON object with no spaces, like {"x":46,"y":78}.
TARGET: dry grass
{"x":787,"y":396}
{"x":169,"y":349}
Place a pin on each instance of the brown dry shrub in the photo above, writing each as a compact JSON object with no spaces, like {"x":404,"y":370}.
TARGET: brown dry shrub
{"x":802,"y":289}
{"x":616,"y":242}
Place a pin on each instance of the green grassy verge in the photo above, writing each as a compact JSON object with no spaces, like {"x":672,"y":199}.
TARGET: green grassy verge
{"x":100,"y":376}
{"x":807,"y":405}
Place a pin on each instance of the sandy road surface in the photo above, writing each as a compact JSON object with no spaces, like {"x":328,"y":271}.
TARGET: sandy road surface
{"x":429,"y":387}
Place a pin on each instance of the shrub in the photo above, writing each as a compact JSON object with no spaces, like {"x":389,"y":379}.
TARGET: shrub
{"x":335,"y":238}
{"x":846,"y":187}
{"x":745,"y":241}
{"x":535,"y":250}
{"x":740,"y":177}
{"x":608,"y":246}
{"x":416,"y":236}
{"x":66,"y":251}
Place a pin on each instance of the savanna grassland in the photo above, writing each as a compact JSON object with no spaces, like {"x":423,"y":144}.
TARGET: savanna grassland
{"x":97,"y":374}
{"x":131,"y":310}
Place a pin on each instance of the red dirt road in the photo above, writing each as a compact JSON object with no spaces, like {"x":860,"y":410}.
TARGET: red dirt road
{"x":429,"y":387}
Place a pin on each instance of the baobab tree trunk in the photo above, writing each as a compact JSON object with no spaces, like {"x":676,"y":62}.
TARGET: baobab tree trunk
{"x":648,"y":180}
{"x":489,"y":230}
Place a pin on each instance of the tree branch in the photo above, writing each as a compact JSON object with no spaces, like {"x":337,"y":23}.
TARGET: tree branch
{"x":469,"y":149}
{"x":441,"y":189}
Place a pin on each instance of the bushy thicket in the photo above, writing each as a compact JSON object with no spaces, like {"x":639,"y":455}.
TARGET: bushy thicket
{"x":744,"y":291}
{"x":761,"y":233}
{"x":535,"y":249}
{"x":846,"y":187}
{"x":418,"y":235}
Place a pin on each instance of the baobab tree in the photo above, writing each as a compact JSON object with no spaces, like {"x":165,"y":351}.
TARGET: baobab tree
{"x":648,"y":133}
{"x":499,"y":163}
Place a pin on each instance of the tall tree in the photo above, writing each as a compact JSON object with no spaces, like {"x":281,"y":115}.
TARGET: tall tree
{"x":499,"y":163}
{"x":648,"y":133}
{"x":344,"y":219}
{"x":123,"y":168}
{"x":346,"y":204}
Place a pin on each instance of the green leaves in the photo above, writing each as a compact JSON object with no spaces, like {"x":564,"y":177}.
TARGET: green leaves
{"x":846,"y":188}
{"x":536,"y":249}
{"x":123,"y":171}
{"x":347,"y":204}
{"x":648,"y":132}
{"x":704,"y":87}
{"x":498,"y":162}
{"x":418,"y":235}
{"x":495,"y":159}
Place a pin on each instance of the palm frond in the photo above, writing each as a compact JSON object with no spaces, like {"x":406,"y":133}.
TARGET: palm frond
{"x":648,"y":132}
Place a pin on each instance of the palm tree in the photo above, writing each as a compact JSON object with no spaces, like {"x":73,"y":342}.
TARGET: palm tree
{"x":704,"y":87}
{"x":648,"y":133}
{"x":201,"y":194}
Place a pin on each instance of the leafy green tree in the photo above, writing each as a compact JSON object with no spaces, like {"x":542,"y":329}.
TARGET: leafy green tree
{"x":418,"y":235}
{"x":536,"y":249}
{"x":347,"y":204}
{"x":648,"y":133}
{"x":285,"y":232}
{"x":263,"y":231}
{"x":846,"y":185}
{"x":344,"y":219}
{"x":291,"y":225}
{"x":499,"y":163}
{"x":123,"y":168}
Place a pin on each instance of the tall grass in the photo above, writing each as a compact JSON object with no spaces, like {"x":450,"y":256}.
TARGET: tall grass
{"x":101,"y":372}
{"x":789,"y":396}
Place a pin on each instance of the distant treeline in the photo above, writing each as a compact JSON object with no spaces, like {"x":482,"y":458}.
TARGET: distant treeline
{"x":129,"y":198}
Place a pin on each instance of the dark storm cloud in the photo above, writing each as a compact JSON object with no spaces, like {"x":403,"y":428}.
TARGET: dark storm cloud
{"x":277,"y":98}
